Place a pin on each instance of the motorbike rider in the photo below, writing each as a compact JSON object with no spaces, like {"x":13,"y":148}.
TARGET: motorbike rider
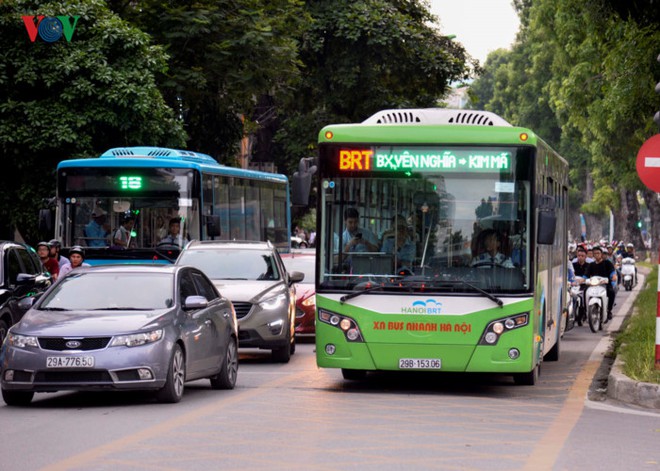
{"x":630,"y":252}
{"x":580,"y":270}
{"x":605,"y":268}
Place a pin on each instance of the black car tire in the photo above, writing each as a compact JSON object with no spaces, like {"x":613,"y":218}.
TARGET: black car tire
{"x":283,"y":354}
{"x":226,"y":379}
{"x":528,"y":379}
{"x":172,"y":392}
{"x":3,"y":331}
{"x":17,"y":398}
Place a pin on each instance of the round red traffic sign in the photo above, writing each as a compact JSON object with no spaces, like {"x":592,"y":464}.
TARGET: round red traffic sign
{"x":648,"y":163}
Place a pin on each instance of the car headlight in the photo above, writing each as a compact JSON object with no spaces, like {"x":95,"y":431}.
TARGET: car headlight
{"x":134,"y":340}
{"x":309,"y":302}
{"x":275,"y":302}
{"x":21,"y":341}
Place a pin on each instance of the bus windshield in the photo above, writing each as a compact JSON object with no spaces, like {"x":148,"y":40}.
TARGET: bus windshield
{"x":411,"y":222}
{"x":99,"y":202}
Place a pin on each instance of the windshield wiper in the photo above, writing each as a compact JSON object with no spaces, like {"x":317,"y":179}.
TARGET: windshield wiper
{"x":121,"y":309}
{"x":354,"y":294}
{"x":490,"y":296}
{"x":53,"y":309}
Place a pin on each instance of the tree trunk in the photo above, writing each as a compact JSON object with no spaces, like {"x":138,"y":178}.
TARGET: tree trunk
{"x":594,"y":223}
{"x":629,"y":218}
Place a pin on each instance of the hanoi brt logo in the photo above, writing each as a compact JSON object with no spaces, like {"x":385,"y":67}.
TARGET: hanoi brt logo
{"x":428,"y":307}
{"x":50,"y":28}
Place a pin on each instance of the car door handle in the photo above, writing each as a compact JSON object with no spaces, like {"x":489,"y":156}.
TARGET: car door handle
{"x":225,"y":315}
{"x":208,"y":322}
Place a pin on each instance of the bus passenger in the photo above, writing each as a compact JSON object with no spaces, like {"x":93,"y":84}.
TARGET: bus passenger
{"x":489,"y":251}
{"x":355,"y":238}
{"x":400,"y":244}
{"x":97,"y":230}
{"x":174,"y":236}
{"x":122,"y":237}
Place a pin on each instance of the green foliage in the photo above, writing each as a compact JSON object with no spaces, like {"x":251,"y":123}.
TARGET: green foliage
{"x":361,"y":57}
{"x":637,"y":342}
{"x":581,"y":75}
{"x":225,"y":55}
{"x":72,"y":99}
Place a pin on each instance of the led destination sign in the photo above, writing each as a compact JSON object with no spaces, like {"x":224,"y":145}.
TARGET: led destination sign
{"x":424,"y":160}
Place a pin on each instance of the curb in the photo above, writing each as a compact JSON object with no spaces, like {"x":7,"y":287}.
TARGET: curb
{"x":626,"y":390}
{"x":629,"y":391}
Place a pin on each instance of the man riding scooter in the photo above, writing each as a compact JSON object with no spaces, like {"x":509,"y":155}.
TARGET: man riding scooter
{"x":604,"y":268}
{"x":580,"y":268}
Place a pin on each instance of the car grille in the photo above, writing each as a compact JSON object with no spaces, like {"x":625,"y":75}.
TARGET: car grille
{"x":99,"y":376}
{"x":242,"y":309}
{"x":59,"y":343}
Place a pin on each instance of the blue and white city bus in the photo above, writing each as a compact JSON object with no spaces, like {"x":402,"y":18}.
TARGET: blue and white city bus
{"x":155,"y":186}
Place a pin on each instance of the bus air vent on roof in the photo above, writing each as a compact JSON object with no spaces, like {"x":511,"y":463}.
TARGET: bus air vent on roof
{"x":161,"y":153}
{"x":436,"y":116}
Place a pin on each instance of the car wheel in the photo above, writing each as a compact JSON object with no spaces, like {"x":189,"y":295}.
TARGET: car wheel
{"x":283,"y":354}
{"x":226,"y":379}
{"x":17,"y":398}
{"x":3,"y":330}
{"x":176,"y":376}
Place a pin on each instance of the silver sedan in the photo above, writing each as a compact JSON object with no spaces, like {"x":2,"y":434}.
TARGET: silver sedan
{"x":141,"y":327}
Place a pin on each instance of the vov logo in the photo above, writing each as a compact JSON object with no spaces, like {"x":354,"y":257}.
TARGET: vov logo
{"x":50,"y":28}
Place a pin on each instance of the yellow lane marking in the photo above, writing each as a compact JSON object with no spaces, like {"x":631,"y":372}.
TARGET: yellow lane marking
{"x":547,"y":449}
{"x":86,"y":458}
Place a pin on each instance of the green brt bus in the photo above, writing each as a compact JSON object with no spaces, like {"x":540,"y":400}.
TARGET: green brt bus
{"x":441,"y":245}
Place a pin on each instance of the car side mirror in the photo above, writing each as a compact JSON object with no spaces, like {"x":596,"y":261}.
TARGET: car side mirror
{"x":296,"y":277}
{"x":195,"y":302}
{"x":25,"y":279}
{"x":26,"y":303}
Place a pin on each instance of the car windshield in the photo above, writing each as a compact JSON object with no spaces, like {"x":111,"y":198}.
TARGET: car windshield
{"x":111,"y":291}
{"x":232,"y":264}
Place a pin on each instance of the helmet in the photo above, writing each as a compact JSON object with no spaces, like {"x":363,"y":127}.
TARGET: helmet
{"x":572,"y":246}
{"x":629,"y":245}
{"x":597,"y":247}
{"x":55,"y":243}
{"x":77,"y":249}
{"x":42,"y":243}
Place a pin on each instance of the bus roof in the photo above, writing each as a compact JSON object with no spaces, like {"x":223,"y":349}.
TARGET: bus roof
{"x":151,"y":157}
{"x":430,"y":126}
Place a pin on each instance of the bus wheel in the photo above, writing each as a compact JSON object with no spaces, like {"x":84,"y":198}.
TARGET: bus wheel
{"x":528,"y":379}
{"x":353,"y":375}
{"x":553,"y":354}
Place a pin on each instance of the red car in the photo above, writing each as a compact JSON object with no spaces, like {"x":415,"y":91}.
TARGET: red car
{"x":305,"y":291}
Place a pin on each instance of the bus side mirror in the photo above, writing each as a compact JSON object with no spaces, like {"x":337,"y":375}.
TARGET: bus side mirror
{"x":46,"y":221}
{"x":301,"y":183}
{"x":546,"y":229}
{"x":212,"y":225}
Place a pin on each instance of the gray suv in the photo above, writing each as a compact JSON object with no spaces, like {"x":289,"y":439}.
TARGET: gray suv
{"x":253,"y":277}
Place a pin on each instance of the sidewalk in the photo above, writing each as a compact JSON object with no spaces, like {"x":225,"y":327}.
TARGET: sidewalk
{"x":623,"y":389}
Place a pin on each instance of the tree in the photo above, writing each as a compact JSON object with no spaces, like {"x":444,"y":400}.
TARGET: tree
{"x":361,"y":57}
{"x":225,"y":56}
{"x":72,"y":98}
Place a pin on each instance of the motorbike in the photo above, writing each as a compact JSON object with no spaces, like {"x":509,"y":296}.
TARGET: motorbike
{"x":576,"y":312}
{"x":628,"y":273}
{"x":596,"y":302}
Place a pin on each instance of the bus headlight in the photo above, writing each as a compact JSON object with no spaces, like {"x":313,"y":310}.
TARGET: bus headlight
{"x":343,"y":323}
{"x":500,"y":326}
